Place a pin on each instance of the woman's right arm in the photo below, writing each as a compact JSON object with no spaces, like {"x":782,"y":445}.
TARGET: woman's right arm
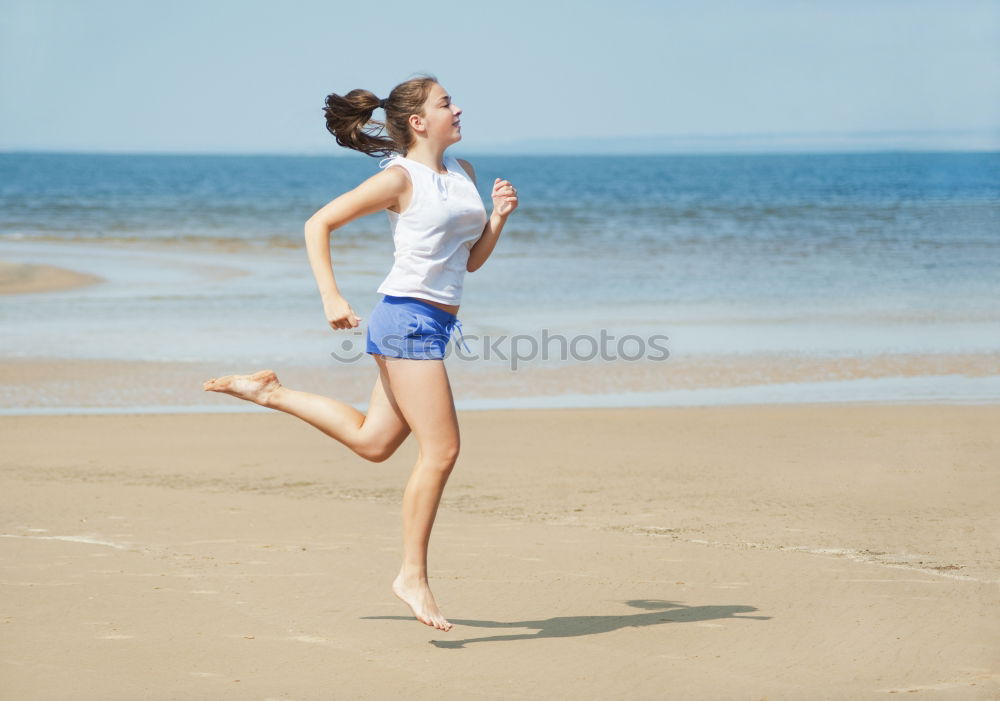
{"x":378,"y":192}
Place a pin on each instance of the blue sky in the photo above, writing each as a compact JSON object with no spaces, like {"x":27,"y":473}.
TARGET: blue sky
{"x":221,"y":76}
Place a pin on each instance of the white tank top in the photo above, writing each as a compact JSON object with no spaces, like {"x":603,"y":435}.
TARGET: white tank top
{"x":433,"y":236}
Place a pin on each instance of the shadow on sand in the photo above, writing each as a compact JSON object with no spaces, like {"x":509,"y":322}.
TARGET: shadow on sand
{"x":571,"y":626}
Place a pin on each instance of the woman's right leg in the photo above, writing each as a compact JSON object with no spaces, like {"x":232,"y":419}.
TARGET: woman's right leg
{"x":374,"y":436}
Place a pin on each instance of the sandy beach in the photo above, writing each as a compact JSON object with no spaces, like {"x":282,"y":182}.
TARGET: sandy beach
{"x":798,"y":504}
{"x":796,"y":552}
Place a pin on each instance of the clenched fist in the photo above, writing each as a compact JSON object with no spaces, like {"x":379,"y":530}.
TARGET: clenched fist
{"x":504,"y":197}
{"x":339,"y":313}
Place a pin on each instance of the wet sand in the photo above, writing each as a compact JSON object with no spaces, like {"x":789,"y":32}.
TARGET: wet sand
{"x":778,"y":552}
{"x":48,"y":384}
{"x":23,"y":278}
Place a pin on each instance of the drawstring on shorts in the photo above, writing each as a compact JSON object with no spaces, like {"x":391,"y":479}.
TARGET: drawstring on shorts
{"x":456,"y":325}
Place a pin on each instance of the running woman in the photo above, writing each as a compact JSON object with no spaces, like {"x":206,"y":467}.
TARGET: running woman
{"x":440,"y":232}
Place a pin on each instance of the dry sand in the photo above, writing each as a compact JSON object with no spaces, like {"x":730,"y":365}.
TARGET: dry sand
{"x":791,"y":552}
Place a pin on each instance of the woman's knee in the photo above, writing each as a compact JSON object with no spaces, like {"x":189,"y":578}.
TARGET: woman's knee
{"x":377,"y":451}
{"x":380,"y":454}
{"x":441,"y":456}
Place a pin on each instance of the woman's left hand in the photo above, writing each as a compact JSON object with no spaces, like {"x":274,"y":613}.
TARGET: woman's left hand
{"x":504,"y":197}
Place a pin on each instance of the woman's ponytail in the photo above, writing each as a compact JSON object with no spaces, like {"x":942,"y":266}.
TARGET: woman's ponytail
{"x":349,"y":117}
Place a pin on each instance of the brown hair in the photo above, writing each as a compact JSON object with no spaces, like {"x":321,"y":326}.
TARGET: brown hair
{"x":349,"y":117}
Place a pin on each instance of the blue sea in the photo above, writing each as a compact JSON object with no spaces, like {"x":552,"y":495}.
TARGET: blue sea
{"x":818,"y":256}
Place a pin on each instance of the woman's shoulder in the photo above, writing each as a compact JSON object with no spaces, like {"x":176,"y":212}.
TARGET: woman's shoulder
{"x":388,"y":182}
{"x":467,"y":167}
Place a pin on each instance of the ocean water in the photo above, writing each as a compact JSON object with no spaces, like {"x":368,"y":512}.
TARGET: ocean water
{"x":807,"y":255}
{"x":667,"y":229}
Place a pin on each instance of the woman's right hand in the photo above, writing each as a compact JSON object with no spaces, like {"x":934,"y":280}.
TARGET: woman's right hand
{"x":339,"y":313}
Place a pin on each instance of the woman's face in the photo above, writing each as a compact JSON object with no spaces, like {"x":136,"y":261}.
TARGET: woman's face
{"x":441,"y":116}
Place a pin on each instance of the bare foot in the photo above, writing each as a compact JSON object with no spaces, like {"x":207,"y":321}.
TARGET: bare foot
{"x":420,"y":600}
{"x":254,"y":388}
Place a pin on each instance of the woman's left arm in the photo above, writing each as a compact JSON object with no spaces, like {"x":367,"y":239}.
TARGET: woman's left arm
{"x":504,"y":203}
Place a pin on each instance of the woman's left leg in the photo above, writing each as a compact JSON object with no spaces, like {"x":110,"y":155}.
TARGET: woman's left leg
{"x":423,"y":394}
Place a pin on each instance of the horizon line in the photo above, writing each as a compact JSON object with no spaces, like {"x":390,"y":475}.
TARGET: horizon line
{"x":962,"y":140}
{"x":526,"y":154}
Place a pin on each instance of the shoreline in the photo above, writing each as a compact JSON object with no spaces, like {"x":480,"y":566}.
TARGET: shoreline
{"x":717,"y":356}
{"x":476,"y":406}
{"x":105,"y":386}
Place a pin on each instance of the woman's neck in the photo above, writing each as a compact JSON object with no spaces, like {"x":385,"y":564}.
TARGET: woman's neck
{"x":433,"y":160}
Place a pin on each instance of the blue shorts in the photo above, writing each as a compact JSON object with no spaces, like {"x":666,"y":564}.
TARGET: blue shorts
{"x":406,"y":327}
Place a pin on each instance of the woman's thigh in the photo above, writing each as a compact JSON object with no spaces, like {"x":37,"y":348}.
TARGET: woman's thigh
{"x":384,"y":420}
{"x":423,"y":394}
